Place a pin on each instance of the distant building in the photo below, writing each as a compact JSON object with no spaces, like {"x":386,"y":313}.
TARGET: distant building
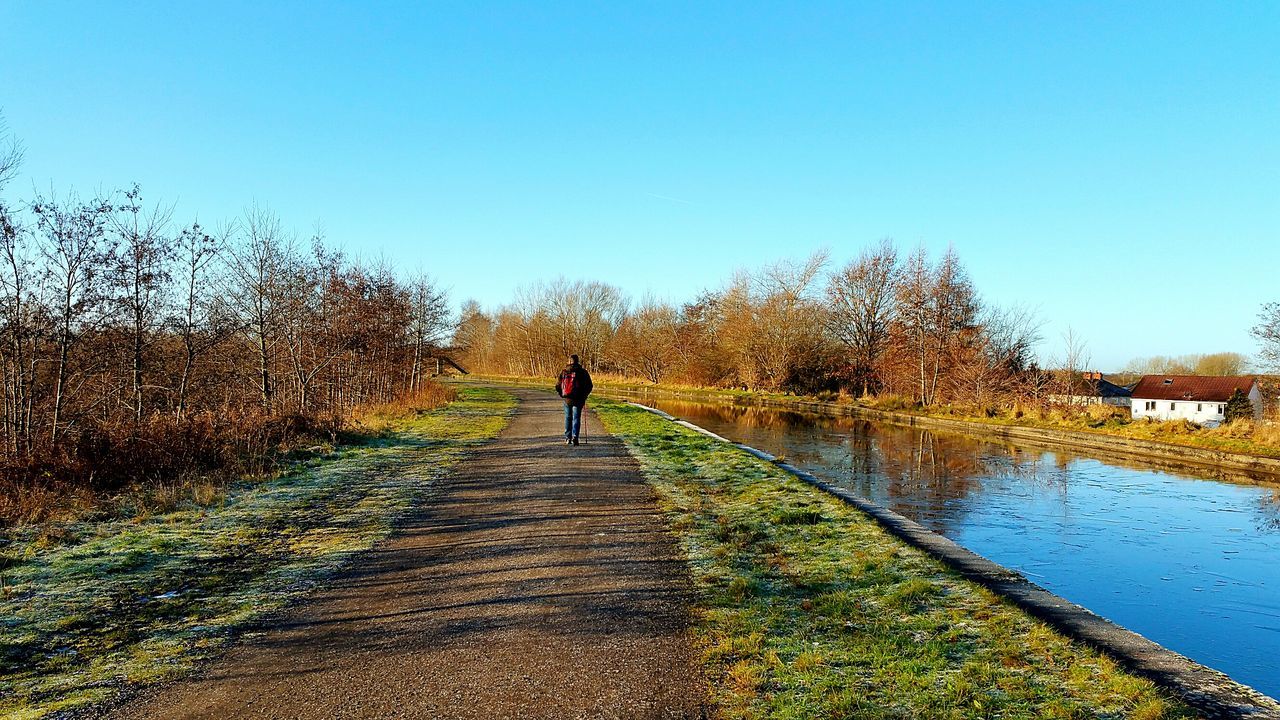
{"x":1197,"y":398}
{"x":1092,"y":389}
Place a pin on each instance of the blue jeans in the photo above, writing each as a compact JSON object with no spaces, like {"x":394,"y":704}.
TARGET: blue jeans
{"x":572,"y":420}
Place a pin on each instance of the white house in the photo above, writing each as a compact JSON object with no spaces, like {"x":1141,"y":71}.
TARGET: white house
{"x":1197,"y":398}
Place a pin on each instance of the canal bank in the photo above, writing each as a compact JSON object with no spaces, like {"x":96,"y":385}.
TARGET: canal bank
{"x":1209,"y":691}
{"x":808,"y":608}
{"x":1183,"y":559}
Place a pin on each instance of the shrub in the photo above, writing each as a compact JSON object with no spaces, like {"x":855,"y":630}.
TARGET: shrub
{"x":164,"y":460}
{"x":1239,"y":406}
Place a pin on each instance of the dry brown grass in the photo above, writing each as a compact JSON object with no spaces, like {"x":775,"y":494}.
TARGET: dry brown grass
{"x":147,"y":468}
{"x":380,"y":417}
{"x":1104,"y":412}
{"x":24,"y":502}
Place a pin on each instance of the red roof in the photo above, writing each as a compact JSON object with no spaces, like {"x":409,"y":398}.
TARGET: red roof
{"x":1191,"y":387}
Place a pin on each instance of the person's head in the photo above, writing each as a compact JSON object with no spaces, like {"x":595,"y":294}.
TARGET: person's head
{"x":573,"y":359}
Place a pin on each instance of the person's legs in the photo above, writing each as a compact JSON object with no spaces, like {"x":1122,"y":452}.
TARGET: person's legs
{"x":568,"y":421}
{"x":577,"y":421}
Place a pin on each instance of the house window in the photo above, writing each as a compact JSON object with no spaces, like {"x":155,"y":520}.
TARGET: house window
{"x":1199,"y":407}
{"x":1222,"y":409}
{"x":1172,"y":406}
{"x":1150,"y":405}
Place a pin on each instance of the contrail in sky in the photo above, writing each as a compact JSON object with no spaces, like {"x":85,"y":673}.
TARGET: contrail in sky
{"x":665,"y":197}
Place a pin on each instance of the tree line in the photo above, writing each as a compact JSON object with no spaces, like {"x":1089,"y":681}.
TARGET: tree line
{"x":888,"y":321}
{"x":124,"y":331}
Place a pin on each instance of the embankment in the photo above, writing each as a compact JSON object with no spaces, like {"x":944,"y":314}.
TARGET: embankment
{"x":1212,"y":693}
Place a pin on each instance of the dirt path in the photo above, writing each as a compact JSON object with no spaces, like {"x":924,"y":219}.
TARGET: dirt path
{"x":539,"y":583}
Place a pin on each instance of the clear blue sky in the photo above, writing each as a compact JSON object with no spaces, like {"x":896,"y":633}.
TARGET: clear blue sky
{"x":1116,"y":165}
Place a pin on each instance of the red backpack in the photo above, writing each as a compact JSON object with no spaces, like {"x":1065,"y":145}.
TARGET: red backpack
{"x":568,"y":383}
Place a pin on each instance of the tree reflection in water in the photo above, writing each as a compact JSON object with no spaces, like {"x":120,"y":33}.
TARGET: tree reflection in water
{"x":916,"y":472}
{"x":926,"y":474}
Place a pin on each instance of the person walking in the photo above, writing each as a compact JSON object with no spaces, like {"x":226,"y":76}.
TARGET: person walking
{"x":574,"y":385}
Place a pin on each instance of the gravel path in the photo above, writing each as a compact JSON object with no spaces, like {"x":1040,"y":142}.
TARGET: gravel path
{"x":540,"y":582}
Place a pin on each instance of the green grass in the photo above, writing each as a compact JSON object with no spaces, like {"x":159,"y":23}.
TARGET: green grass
{"x":808,"y":609}
{"x":142,"y":600}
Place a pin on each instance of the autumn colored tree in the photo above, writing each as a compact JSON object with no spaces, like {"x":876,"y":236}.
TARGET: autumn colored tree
{"x":647,"y":341}
{"x":862,"y":309}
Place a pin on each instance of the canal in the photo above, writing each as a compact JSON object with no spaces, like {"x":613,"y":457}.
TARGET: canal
{"x":1186,"y":560}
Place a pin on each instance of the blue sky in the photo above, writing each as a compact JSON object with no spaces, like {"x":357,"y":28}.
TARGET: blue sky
{"x":1115,"y":165}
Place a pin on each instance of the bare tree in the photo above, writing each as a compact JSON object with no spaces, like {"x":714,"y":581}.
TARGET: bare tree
{"x":20,"y":312}
{"x":11,"y":153}
{"x":203,"y":319}
{"x":1075,"y":360}
{"x":19,"y":307}
{"x":73,"y":248}
{"x":1000,"y":365}
{"x":1267,"y":333}
{"x":937,"y":318}
{"x":583,"y":315}
{"x":1222,"y":363}
{"x":140,"y":273}
{"x":257,"y":264}
{"x":429,"y":321}
{"x":474,"y":337}
{"x":791,"y":319}
{"x":646,"y":341}
{"x":861,"y":301}
{"x":912,"y":297}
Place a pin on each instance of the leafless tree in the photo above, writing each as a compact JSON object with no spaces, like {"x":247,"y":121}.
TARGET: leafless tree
{"x":646,"y":342}
{"x":257,"y":264}
{"x":1222,"y":363}
{"x":429,"y":321}
{"x":912,"y":296}
{"x":1267,"y":333}
{"x":74,"y":249}
{"x":1001,"y":365}
{"x":937,"y":318}
{"x":474,"y":337}
{"x":203,"y":319}
{"x":1075,"y":360}
{"x":19,"y":306}
{"x":861,"y":301}
{"x":139,"y":275}
{"x":11,"y":153}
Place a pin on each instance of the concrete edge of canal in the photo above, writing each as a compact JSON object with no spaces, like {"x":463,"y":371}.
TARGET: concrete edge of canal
{"x":1204,"y":688}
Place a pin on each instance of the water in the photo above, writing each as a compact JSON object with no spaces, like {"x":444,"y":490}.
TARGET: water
{"x":1190,"y":562}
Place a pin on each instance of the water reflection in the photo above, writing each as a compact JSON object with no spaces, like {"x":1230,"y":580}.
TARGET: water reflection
{"x":1182,"y":557}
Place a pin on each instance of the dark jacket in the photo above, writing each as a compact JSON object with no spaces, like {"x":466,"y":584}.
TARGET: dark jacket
{"x":581,"y":385}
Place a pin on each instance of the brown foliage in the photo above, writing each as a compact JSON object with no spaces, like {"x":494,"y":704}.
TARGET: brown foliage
{"x":913,"y":328}
{"x":133,"y":352}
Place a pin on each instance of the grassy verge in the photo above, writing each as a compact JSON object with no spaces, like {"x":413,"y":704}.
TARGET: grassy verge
{"x":809,"y":609}
{"x":145,"y":599}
